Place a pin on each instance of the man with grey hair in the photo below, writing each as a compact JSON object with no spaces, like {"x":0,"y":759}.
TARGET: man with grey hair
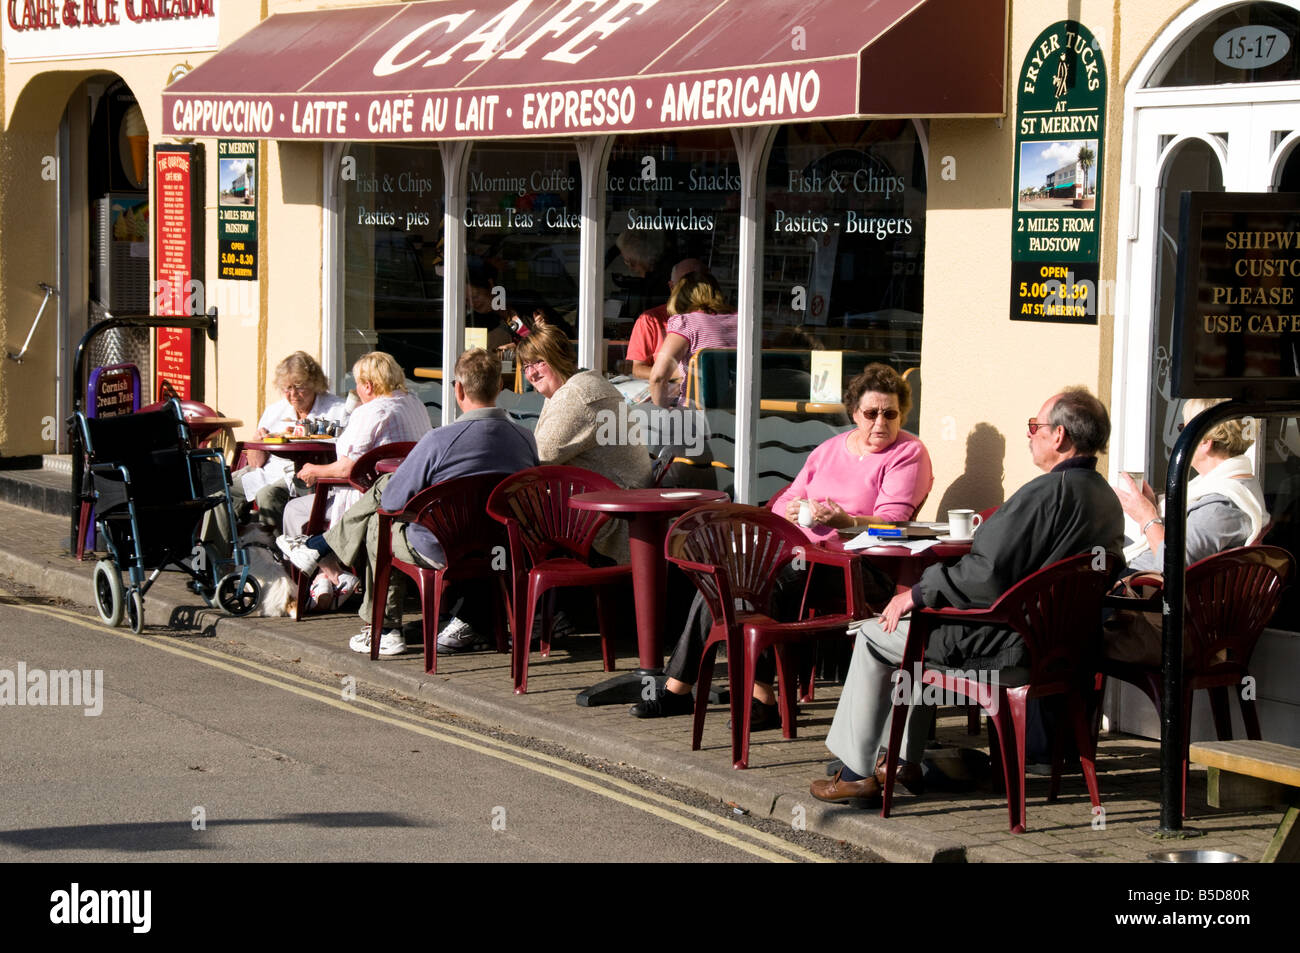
{"x":1068,"y":510}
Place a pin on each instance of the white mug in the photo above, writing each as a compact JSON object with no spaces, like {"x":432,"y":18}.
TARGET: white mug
{"x":963,"y":523}
{"x":805,"y":513}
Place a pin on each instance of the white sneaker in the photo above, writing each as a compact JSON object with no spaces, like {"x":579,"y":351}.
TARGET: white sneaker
{"x":457,"y":636}
{"x":299,"y":553}
{"x":390,"y":643}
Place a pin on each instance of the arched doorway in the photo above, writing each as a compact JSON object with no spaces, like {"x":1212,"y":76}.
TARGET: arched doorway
{"x":103,"y":227}
{"x":1203,"y":113}
{"x":1196,"y":118}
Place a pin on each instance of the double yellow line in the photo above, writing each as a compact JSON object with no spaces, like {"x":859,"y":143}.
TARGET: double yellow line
{"x":750,"y":840}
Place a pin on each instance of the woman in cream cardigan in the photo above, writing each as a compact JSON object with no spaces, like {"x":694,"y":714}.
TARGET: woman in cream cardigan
{"x":573,"y":428}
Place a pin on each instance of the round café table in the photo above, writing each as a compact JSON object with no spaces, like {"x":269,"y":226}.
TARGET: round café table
{"x":899,"y":563}
{"x":648,"y":513}
{"x":316,"y":450}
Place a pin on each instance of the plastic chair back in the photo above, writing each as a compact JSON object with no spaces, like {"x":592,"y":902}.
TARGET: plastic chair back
{"x":364,"y":473}
{"x":534,"y":503}
{"x":1056,"y":611}
{"x":749,"y":544}
{"x":456,"y":513}
{"x":1230,"y":598}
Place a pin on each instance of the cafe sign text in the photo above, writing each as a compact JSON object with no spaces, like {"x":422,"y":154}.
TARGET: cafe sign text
{"x":35,"y":30}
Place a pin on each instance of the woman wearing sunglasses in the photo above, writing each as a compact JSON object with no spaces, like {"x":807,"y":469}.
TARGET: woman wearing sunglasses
{"x":876,"y":472}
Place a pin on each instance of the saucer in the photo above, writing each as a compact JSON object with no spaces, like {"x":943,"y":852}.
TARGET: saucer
{"x":955,"y":539}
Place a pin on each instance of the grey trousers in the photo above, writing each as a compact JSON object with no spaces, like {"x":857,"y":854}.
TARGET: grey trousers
{"x":860,"y":729}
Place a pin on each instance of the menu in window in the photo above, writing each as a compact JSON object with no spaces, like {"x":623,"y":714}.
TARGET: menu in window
{"x":178,"y":237}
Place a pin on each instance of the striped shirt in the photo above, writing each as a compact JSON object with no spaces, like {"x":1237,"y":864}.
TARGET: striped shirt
{"x":703,"y":330}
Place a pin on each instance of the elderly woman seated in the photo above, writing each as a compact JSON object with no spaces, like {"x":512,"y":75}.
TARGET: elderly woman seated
{"x":874,"y":472}
{"x":1225,"y":508}
{"x":387,"y":414}
{"x":267,"y":478}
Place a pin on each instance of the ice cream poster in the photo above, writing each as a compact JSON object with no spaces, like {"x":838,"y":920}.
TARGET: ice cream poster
{"x":129,"y":222}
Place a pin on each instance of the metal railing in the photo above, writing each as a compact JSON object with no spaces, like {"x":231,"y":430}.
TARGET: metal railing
{"x":18,"y":358}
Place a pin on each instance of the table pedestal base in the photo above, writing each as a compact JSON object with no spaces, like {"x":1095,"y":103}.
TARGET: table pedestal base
{"x":624,"y":689}
{"x":629,"y":688}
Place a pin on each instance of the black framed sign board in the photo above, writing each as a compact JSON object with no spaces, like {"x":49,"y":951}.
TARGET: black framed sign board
{"x":1237,"y":305}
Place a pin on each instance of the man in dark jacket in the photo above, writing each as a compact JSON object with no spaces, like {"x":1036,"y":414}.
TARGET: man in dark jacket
{"x":1068,"y":510}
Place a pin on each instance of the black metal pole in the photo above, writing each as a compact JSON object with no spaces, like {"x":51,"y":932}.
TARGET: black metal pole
{"x":1171,"y":727}
{"x":206,"y":322}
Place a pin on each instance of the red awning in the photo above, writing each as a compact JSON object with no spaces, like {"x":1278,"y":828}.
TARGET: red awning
{"x":479,"y":69}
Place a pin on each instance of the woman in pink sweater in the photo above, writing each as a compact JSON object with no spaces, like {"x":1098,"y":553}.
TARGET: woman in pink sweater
{"x":874,"y":473}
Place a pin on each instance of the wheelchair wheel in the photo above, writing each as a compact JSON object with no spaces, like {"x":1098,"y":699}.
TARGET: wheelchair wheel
{"x":108,"y":592}
{"x":238,"y":600}
{"x":135,"y":611}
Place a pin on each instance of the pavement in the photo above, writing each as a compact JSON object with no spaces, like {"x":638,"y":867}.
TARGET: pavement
{"x":944,"y":827}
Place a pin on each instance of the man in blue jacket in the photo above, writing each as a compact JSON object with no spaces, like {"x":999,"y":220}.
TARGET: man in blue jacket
{"x":483,"y":440}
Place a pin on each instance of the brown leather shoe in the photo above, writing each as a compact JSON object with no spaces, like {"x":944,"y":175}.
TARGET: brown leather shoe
{"x":909,"y":775}
{"x":837,"y":791}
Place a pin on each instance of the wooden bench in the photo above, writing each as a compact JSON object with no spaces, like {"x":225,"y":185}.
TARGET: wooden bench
{"x":1255,"y":773}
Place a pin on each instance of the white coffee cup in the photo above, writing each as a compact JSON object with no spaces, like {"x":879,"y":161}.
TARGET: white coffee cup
{"x":805,"y":513}
{"x":963,"y":523}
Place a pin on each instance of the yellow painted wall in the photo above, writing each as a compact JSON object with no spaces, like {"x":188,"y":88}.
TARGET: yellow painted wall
{"x":985,"y":375}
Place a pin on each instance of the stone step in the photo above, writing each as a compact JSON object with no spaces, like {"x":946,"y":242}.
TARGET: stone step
{"x":44,"y":490}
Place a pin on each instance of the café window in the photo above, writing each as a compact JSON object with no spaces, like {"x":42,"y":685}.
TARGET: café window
{"x":523,"y":215}
{"x":391,"y":201}
{"x":1247,"y":43}
{"x":843,"y":275}
{"x":669,"y":197}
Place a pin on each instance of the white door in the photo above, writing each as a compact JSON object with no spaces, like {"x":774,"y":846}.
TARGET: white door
{"x":1223,"y":146}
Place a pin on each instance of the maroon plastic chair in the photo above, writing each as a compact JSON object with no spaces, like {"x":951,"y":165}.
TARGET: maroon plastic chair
{"x":456,"y":513}
{"x":550,"y":547}
{"x":362,"y":478}
{"x":735,"y":552}
{"x":1229,"y":599}
{"x":1057,"y":612}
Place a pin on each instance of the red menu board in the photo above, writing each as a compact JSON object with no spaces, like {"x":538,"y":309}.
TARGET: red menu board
{"x":178,"y":290}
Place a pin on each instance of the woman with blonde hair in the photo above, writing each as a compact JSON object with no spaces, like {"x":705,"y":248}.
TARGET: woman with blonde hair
{"x":1225,"y":509}
{"x":698,"y":317}
{"x":1225,"y":506}
{"x":569,"y":428}
{"x":387,"y":414}
{"x":265,"y":477}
